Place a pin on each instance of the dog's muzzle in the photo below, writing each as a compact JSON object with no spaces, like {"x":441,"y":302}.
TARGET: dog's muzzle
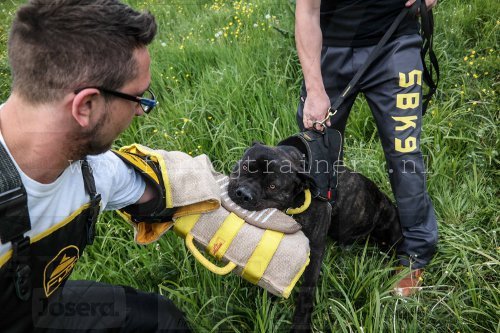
{"x":245,"y":194}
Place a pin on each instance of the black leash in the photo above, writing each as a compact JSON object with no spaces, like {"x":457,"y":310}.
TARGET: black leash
{"x":427,"y":28}
{"x":427,"y":33}
{"x":315,"y":144}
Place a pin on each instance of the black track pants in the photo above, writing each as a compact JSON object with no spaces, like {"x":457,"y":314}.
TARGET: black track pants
{"x":393,"y":88}
{"x":88,"y":306}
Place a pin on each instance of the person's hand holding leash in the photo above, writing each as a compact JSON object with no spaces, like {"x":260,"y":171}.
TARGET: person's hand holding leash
{"x":316,"y":107}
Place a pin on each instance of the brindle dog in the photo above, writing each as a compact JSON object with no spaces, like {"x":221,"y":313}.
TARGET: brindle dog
{"x":274,"y":177}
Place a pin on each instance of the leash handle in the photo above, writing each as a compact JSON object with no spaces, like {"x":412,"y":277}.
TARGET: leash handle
{"x":204,"y":261}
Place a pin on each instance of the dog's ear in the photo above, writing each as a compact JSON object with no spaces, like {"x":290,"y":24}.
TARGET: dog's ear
{"x":306,"y":180}
{"x":256,"y":142}
{"x":292,"y":154}
{"x":298,"y":166}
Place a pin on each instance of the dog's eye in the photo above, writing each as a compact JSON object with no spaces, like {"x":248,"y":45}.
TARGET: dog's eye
{"x":272,"y":187}
{"x":244,"y":167}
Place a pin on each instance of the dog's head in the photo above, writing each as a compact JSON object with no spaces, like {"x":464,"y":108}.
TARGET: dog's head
{"x":268,"y":177}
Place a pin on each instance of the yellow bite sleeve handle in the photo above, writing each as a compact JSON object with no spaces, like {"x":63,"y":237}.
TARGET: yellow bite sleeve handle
{"x":204,"y":261}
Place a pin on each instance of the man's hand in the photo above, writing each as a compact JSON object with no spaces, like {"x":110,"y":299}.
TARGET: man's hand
{"x":429,"y":3}
{"x":315,"y":109}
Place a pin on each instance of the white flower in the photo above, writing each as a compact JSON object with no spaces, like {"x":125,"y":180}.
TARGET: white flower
{"x":163,"y":44}
{"x":267,"y":16}
{"x":218,"y":34}
{"x":255,"y":25}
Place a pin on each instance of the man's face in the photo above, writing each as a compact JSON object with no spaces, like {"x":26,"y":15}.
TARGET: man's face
{"x":117,"y":113}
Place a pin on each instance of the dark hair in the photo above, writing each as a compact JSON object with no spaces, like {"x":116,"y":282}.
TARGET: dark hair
{"x":60,"y":45}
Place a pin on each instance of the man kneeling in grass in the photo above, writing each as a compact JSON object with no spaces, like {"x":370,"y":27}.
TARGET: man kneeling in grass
{"x":80,"y":75}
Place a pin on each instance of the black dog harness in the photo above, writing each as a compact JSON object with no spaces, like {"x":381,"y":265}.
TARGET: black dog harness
{"x":322,"y":155}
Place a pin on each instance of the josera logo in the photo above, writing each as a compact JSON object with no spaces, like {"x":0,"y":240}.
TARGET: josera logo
{"x":59,"y":268}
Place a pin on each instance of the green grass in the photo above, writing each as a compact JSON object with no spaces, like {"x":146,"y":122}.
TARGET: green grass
{"x":218,"y":94}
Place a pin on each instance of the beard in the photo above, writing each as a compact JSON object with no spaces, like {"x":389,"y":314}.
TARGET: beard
{"x":92,"y":141}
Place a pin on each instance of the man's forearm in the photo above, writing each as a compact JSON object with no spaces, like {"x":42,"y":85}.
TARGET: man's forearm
{"x":308,"y":38}
{"x":149,"y":194}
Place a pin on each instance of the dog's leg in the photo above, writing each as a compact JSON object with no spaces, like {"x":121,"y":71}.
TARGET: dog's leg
{"x":315,"y":224}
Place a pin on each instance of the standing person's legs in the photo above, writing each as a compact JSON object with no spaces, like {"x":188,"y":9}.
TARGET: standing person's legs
{"x":84,"y":306}
{"x":393,"y":89}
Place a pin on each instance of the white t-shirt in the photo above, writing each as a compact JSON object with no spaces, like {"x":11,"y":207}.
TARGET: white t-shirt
{"x":49,"y":204}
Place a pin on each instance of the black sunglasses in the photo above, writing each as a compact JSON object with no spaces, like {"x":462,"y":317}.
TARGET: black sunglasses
{"x":147,"y":101}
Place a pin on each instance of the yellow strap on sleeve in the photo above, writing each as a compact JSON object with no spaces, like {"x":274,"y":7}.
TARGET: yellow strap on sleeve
{"x":184,"y":224}
{"x":262,"y":255}
{"x":224,"y":236}
{"x":139,"y":163}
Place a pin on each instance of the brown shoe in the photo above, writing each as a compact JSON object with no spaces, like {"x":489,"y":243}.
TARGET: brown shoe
{"x":410,"y":284}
